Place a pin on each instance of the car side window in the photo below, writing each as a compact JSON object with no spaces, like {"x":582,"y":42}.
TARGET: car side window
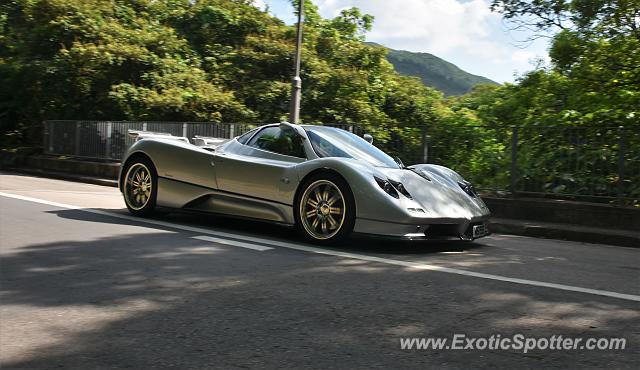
{"x":245,"y":137}
{"x":275,"y":140}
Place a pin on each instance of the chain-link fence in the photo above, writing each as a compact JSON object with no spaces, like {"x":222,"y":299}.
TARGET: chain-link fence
{"x":595,"y":163}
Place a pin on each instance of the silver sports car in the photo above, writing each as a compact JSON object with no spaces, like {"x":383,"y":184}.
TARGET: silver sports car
{"x":326,"y":181}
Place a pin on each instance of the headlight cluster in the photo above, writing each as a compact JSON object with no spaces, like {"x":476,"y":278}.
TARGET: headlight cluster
{"x":468,"y":188}
{"x":392,"y":188}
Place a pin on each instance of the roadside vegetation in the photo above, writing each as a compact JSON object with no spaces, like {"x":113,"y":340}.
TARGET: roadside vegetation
{"x":228,"y":61}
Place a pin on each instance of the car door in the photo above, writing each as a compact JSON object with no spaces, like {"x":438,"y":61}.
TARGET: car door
{"x":264,"y":168}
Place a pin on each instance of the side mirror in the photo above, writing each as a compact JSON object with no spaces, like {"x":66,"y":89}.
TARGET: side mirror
{"x":368,"y":138}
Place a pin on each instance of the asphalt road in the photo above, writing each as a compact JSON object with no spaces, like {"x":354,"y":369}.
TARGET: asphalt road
{"x":86,"y":286}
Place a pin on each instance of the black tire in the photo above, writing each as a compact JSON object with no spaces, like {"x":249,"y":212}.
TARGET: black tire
{"x":303,"y":208}
{"x":139,"y":199}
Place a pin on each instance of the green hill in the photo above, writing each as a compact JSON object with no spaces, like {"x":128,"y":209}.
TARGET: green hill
{"x":434,"y":71}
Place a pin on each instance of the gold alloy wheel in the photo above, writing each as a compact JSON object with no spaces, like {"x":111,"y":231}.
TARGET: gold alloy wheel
{"x":322,"y":209}
{"x":137,"y":186}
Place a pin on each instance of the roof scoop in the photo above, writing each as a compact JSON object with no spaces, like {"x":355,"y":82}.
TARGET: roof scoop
{"x":289,"y":127}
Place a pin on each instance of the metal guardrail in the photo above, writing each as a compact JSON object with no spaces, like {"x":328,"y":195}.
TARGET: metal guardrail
{"x":584,"y":162}
{"x":109,"y":140}
{"x":598,"y":163}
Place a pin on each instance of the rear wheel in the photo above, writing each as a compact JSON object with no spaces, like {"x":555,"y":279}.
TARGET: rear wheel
{"x":325,"y":209}
{"x":140,"y":187}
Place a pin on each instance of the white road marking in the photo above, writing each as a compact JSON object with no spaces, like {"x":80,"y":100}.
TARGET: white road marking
{"x":305,"y":248}
{"x":234,"y":243}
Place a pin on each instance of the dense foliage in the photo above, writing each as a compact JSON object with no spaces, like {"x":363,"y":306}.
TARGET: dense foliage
{"x":594,"y":76}
{"x":227,"y":60}
{"x":207,"y":60}
{"x":578,"y":118}
{"x":591,"y":88}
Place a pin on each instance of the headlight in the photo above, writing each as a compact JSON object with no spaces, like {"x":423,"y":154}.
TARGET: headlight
{"x":468,"y":188}
{"x":400,"y":188}
{"x":387,"y":187}
{"x":392,"y":187}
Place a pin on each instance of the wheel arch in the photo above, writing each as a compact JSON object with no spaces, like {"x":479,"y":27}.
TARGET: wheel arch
{"x":130,"y":159}
{"x":317,"y":171}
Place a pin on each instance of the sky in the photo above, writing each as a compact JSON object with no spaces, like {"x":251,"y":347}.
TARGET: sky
{"x":463,"y":32}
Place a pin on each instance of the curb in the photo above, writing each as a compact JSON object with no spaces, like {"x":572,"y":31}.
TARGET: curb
{"x":61,"y":166}
{"x":565,"y":212}
{"x":584,"y":234}
{"x":67,"y":176}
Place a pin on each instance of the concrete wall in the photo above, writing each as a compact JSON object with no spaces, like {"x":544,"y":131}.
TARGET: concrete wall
{"x":566,"y":212}
{"x":105,"y":170}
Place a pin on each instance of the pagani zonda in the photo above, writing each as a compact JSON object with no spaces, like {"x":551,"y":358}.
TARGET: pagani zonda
{"x":326,"y":181}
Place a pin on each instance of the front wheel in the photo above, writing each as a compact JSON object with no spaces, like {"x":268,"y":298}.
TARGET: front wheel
{"x":140,"y":187}
{"x":325,"y":209}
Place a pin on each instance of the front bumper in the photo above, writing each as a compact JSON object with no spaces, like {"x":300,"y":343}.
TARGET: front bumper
{"x":426,"y":229}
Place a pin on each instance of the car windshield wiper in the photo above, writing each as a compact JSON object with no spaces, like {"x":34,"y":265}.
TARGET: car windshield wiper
{"x":399,"y":162}
{"x":418,"y":172}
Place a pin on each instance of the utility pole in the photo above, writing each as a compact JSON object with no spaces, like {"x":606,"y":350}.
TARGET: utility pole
{"x":296,"y":82}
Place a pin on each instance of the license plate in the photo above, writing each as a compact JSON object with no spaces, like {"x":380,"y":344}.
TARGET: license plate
{"x":480,"y":230}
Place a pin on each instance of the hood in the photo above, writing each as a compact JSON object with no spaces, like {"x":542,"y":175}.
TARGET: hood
{"x":438,"y":191}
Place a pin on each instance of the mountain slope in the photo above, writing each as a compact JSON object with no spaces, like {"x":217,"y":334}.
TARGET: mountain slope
{"x":434,"y":71}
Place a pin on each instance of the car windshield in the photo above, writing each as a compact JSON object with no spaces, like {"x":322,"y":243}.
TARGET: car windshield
{"x":334,"y":142}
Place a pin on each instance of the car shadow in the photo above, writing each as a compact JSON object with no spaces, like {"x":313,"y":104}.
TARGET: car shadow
{"x":267,"y":230}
